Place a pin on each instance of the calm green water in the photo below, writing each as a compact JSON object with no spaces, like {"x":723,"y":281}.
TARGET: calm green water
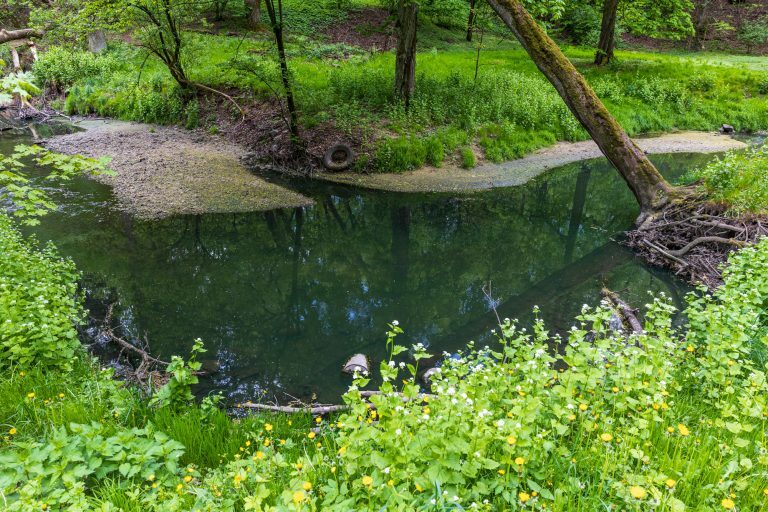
{"x":282,"y":298}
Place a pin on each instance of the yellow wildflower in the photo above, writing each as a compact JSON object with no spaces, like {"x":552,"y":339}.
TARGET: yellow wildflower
{"x":511,"y":440}
{"x":670,"y":483}
{"x":247,"y":443}
{"x":571,"y":417}
{"x":367,"y":480}
{"x":12,"y":431}
{"x":689,"y":348}
{"x":524,"y":496}
{"x":61,"y":395}
{"x":298,"y":496}
{"x":683,"y":429}
{"x":606,"y":437}
{"x":390,"y":482}
{"x":418,"y":487}
{"x":728,"y":503}
{"x":520,"y":461}
{"x":187,"y":478}
{"x":268,"y":427}
{"x":311,"y":435}
{"x":31,"y":395}
{"x":318,"y":420}
{"x":502,"y":472}
{"x":637,"y":492}
{"x":583,"y":407}
{"x":307,"y":485}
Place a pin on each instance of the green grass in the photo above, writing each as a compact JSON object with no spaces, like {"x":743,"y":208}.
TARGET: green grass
{"x":647,"y":92}
{"x":671,"y":419}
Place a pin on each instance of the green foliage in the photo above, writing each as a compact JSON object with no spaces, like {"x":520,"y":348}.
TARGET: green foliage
{"x":30,"y":202}
{"x":62,"y":67}
{"x":17,"y":85}
{"x":177,"y":392}
{"x":76,"y":458}
{"x":506,"y":142}
{"x":192,"y":112}
{"x":737,"y":179}
{"x":435,"y":151}
{"x":762,"y":85}
{"x":39,"y":304}
{"x":754,"y":33}
{"x":468,"y":160}
{"x":400,"y":154}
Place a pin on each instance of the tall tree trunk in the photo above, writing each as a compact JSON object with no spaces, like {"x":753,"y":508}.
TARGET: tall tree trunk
{"x":649,"y":187}
{"x":276,"y":21}
{"x":254,"y":12}
{"x":471,"y":21}
{"x":13,"y":35}
{"x":607,"y":33}
{"x":701,"y":22}
{"x":405,"y":63}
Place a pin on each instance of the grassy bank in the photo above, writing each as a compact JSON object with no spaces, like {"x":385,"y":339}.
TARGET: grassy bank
{"x":508,"y":110}
{"x":673,"y":419}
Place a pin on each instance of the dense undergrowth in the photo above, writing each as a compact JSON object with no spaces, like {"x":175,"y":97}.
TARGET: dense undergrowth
{"x":737,"y":179}
{"x":672,"y":419}
{"x":505,"y":112}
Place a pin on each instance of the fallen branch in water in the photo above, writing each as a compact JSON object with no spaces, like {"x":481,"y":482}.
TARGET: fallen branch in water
{"x":628,"y":314}
{"x":306,"y":409}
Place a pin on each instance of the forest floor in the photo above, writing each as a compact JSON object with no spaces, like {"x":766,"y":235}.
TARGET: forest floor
{"x":517,"y":172}
{"x":163,"y":171}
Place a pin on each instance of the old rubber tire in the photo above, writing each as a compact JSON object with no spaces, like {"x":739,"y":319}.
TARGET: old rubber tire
{"x":339,"y":158}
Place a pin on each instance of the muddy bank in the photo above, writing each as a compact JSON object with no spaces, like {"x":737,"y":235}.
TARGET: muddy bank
{"x":518,"y":172}
{"x":163,"y":171}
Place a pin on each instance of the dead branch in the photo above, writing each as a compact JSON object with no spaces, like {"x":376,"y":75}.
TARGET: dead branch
{"x":307,"y":409}
{"x":627,"y":314}
{"x":13,"y":35}
{"x":705,"y":239}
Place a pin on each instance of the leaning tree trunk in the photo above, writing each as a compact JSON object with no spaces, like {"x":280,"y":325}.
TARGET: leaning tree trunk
{"x":254,"y":12}
{"x":276,"y":21}
{"x":471,"y":21}
{"x":607,"y":33}
{"x":649,"y":187}
{"x":405,"y":63}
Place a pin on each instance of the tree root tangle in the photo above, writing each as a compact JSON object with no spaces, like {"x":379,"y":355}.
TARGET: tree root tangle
{"x":693,"y":238}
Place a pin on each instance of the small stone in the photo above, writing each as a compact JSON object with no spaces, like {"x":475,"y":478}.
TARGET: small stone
{"x":726,"y":128}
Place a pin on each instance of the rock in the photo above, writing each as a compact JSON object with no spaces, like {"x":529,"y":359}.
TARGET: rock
{"x":356,"y":363}
{"x":726,"y":128}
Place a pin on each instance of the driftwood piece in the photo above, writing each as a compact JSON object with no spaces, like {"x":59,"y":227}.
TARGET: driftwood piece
{"x":628,"y":314}
{"x":310,"y":409}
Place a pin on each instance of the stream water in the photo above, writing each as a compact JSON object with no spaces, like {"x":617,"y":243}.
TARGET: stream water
{"x":282,"y":298}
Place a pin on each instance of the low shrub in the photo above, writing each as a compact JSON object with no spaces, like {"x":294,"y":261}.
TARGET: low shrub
{"x":400,"y":154}
{"x":737,"y":179}
{"x":61,"y":67}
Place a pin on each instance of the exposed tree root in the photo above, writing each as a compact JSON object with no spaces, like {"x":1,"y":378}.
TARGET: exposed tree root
{"x":694,"y":237}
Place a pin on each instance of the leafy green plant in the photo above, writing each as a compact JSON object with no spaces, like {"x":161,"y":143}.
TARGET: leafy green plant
{"x":76,"y":458}
{"x":737,"y":179}
{"x":30,"y":202}
{"x":177,"y":392}
{"x":39,"y":304}
{"x":468,"y":160}
{"x":17,"y":86}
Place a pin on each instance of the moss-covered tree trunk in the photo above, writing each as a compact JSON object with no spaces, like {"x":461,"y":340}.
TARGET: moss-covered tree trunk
{"x":405,"y":63}
{"x":607,"y":33}
{"x":647,"y":184}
